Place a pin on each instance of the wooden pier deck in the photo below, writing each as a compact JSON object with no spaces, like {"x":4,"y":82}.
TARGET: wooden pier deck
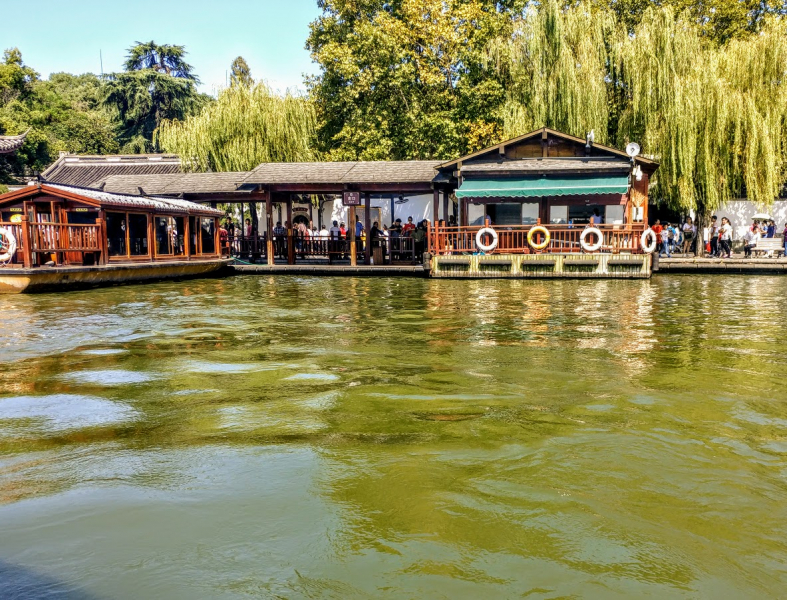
{"x":332,"y":270}
{"x":729,"y":266}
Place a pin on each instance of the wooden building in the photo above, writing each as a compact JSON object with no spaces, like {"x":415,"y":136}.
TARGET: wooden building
{"x":55,"y":233}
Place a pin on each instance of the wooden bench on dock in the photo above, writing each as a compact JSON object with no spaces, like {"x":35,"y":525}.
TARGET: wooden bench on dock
{"x":769,"y":245}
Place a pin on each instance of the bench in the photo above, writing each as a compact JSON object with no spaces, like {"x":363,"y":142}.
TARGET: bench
{"x":769,"y":245}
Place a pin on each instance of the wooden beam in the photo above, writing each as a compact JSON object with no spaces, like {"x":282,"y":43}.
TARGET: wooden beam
{"x":445,"y":206}
{"x":290,"y":234}
{"x":435,"y":206}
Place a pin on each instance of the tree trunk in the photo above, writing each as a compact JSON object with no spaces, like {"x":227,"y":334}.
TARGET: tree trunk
{"x":702,"y":218}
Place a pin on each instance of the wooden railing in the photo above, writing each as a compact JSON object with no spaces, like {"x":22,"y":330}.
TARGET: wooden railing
{"x":61,"y":237}
{"x":512,"y":239}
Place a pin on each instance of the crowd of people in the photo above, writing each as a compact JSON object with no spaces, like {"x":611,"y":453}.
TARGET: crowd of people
{"x":310,"y":239}
{"x":675,"y":238}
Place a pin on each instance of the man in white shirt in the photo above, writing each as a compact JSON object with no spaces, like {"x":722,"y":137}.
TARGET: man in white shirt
{"x":725,"y":232}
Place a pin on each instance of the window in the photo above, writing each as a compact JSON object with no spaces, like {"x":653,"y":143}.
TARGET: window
{"x":530,"y":213}
{"x":475,"y":214}
{"x":614,"y":214}
{"x":558,"y":215}
{"x":193,"y":235}
{"x":116,"y":234}
{"x":138,"y":235}
{"x":208,"y":235}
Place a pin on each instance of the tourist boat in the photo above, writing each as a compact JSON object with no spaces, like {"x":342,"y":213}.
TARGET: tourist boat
{"x":56,"y":237}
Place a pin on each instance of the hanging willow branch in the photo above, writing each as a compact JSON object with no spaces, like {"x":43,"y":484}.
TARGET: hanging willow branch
{"x":246,"y":126}
{"x":714,"y":116}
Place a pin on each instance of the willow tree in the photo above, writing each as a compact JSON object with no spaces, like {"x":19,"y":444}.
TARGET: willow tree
{"x":558,"y":66}
{"x":244,"y":127}
{"x":715,"y":116}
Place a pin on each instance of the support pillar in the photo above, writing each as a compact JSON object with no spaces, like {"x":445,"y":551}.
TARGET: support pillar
{"x":269,"y":227}
{"x":290,"y":234}
{"x":27,"y":248}
{"x":367,"y":218}
{"x":353,"y":255}
{"x":445,"y":207}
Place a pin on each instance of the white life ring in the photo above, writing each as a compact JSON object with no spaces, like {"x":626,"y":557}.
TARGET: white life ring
{"x":648,"y":234}
{"x":479,"y":236}
{"x":591,"y":247}
{"x":7,"y":244}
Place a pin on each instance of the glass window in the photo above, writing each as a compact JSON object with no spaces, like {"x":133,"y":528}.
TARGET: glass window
{"x":83,"y":217}
{"x":475,"y":214}
{"x":116,"y":234}
{"x":178,"y":237}
{"x":138,"y":235}
{"x":208,"y":235}
{"x":530,"y":213}
{"x":558,"y":215}
{"x":614,"y":214}
{"x":193,"y":234}
{"x":163,"y":227}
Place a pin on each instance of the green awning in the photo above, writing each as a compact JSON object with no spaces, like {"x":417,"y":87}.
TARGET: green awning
{"x":578,"y":185}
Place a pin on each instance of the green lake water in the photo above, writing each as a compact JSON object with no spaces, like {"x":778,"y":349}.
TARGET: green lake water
{"x":288,"y":437}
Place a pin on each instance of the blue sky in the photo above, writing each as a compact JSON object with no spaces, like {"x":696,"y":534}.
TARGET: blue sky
{"x":67,"y":36}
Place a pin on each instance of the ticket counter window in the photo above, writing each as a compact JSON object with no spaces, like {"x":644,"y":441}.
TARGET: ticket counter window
{"x":529,"y":213}
{"x":475,"y":215}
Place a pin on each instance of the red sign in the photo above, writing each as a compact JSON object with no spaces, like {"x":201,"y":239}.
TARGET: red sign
{"x":351,"y":199}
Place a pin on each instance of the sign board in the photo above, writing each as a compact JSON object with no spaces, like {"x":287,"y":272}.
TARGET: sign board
{"x":300,"y":209}
{"x":351,"y":199}
{"x":81,"y":210}
{"x":16,"y":209}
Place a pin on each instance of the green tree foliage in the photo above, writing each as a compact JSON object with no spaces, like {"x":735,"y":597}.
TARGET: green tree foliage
{"x":61,"y":114}
{"x":404,"y":79}
{"x":240,"y":73}
{"x":243,"y":128}
{"x":157,"y":85}
{"x":714,"y":115}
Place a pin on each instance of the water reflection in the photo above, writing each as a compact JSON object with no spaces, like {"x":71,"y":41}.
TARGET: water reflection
{"x":409,"y":438}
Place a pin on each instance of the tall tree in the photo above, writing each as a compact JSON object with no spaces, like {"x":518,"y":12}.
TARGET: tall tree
{"x":240,"y":74}
{"x":165,"y":58}
{"x":157,"y":85}
{"x":404,"y":79}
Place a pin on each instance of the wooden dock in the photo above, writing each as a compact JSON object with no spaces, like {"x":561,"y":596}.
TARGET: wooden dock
{"x":729,"y":266}
{"x":332,"y":270}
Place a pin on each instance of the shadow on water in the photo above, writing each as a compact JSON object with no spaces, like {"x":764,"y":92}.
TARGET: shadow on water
{"x":21,"y":583}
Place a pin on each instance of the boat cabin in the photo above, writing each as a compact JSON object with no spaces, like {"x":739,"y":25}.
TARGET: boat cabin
{"x":60,"y":225}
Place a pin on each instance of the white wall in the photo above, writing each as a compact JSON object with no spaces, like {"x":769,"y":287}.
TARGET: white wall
{"x":740,"y":213}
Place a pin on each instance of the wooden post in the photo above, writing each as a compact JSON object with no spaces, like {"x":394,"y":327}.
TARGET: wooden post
{"x":152,"y":238}
{"x":290,"y":236}
{"x":445,"y":206}
{"x":367,"y":217}
{"x":353,"y":256}
{"x":435,"y":205}
{"x":102,"y":233}
{"x":187,"y":236}
{"x":27,"y":249}
{"x":269,"y":223}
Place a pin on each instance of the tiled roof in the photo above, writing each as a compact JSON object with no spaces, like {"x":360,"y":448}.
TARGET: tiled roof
{"x":127,"y":201}
{"x":181,"y":183}
{"x":11,"y":143}
{"x":405,"y":171}
{"x":551,"y":165}
{"x":92,"y":171}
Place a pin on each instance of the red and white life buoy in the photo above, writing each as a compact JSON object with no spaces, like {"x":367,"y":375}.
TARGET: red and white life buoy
{"x":480,"y":236}
{"x":649,"y":234}
{"x":7,"y":245}
{"x":591,"y":247}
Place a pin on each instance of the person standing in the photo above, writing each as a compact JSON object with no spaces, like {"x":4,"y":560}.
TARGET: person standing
{"x":657,"y":229}
{"x":771,"y":231}
{"x":665,"y":240}
{"x":713,"y":233}
{"x":784,"y":240}
{"x":725,"y":233}
{"x":689,"y":233}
